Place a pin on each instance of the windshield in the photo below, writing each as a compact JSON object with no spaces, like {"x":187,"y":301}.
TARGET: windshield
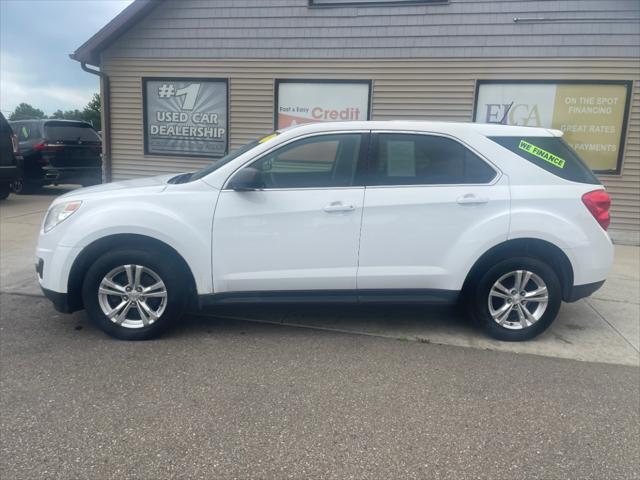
{"x":226,"y":159}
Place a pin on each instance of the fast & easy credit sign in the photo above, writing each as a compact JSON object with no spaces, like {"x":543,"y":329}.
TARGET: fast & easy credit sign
{"x":311,"y":101}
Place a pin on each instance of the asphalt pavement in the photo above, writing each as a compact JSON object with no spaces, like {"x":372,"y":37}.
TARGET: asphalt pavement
{"x":221,"y":399}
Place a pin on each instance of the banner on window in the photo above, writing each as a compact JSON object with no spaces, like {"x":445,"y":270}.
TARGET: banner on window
{"x":592,"y":115}
{"x":307,"y":101}
{"x":185,"y":116}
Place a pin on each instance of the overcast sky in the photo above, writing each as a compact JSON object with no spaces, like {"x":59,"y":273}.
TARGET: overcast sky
{"x":36,"y":38}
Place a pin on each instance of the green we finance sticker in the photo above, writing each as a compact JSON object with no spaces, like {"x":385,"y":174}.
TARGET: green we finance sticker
{"x":540,"y":153}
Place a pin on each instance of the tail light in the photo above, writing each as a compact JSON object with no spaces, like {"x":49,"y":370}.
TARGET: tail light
{"x":598,"y":203}
{"x":15,"y":145}
{"x":47,"y":147}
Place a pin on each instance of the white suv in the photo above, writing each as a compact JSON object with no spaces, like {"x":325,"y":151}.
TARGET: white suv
{"x":509,"y":219}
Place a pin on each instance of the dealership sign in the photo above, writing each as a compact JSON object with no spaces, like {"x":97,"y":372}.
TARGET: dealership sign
{"x":186,"y":117}
{"x":311,"y":101}
{"x":592,"y":115}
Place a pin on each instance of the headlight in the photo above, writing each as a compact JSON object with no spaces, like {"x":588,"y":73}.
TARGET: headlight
{"x":59,"y":213}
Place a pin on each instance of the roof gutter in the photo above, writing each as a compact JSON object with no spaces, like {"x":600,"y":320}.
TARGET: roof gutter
{"x":106,"y":123}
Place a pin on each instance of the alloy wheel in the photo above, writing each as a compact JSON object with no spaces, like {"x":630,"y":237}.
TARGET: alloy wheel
{"x":518,"y":299}
{"x":132,"y":296}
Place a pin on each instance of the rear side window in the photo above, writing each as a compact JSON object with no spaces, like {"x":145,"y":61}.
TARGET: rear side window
{"x":22,"y":131}
{"x":412,"y":159}
{"x":62,"y":131}
{"x":552,"y":154}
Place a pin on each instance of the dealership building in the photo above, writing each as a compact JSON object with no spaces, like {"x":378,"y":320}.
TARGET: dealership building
{"x":183,"y":82}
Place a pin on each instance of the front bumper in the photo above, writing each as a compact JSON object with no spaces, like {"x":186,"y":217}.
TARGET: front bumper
{"x":60,"y":300}
{"x":53,"y":265}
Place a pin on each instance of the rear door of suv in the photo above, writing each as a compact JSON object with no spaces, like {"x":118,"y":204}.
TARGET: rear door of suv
{"x":431,"y":204}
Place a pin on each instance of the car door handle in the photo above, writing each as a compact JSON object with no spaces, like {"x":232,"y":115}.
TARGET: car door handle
{"x":471,"y":199}
{"x":337,"y":207}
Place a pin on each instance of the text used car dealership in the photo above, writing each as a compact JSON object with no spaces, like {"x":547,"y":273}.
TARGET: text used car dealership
{"x":185,"y":82}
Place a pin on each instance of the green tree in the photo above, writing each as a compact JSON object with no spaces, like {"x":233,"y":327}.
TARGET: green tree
{"x":24,"y":111}
{"x":68,"y":114}
{"x":91,"y":112}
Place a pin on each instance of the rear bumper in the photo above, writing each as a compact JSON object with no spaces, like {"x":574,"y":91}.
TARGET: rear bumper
{"x":581,"y":291}
{"x":71,"y":175}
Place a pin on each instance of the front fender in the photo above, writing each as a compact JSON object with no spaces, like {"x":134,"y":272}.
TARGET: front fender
{"x":186,"y":229}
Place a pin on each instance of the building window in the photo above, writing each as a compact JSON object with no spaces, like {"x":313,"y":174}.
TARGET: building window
{"x":186,"y":117}
{"x":592,"y":114}
{"x":312,"y":101}
{"x":356,"y":3}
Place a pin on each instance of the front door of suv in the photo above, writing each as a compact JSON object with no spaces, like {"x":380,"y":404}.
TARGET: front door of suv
{"x":431,"y":205}
{"x":301,"y":231}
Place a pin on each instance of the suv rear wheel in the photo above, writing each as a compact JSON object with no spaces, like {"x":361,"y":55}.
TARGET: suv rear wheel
{"x":134,"y":294}
{"x":516,"y":299}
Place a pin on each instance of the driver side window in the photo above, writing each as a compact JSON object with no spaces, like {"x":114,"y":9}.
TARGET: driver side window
{"x":320,"y":161}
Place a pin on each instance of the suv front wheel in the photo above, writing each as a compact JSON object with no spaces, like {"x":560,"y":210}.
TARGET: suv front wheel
{"x":516,"y":299}
{"x":134,"y":294}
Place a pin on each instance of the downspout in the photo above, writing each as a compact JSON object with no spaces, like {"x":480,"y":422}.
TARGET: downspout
{"x":106,"y":122}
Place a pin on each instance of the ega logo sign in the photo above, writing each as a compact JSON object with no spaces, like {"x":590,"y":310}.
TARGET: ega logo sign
{"x":522,"y":114}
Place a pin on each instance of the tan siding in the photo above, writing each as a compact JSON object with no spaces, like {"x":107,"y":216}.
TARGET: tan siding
{"x":411,"y":89}
{"x":236,"y":29}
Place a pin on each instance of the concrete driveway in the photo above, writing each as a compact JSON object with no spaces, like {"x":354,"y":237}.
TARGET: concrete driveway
{"x":604,"y":328}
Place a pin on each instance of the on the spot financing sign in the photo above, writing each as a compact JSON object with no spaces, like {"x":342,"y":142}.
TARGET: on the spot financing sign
{"x":186,"y":117}
{"x":591,"y":114}
{"x":304,"y":101}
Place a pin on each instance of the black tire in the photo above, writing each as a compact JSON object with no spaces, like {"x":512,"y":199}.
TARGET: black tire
{"x":21,"y":187}
{"x":478,"y":302}
{"x":5,"y":190}
{"x":166,"y":267}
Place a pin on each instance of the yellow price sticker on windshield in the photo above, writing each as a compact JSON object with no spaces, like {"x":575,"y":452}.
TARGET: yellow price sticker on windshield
{"x":268,"y":137}
{"x":540,"y":153}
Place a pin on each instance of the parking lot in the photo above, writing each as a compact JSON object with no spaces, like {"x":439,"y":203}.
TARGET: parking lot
{"x":322,"y":392}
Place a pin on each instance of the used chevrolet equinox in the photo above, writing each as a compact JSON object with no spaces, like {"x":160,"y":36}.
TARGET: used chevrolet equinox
{"x":508,"y":220}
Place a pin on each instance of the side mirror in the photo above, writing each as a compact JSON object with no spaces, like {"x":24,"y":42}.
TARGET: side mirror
{"x":247,"y":180}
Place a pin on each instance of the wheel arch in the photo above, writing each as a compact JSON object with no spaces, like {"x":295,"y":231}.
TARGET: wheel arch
{"x":528,"y":247}
{"x":92,"y":251}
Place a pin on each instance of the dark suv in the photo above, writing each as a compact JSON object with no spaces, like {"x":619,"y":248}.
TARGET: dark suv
{"x":58,"y":151}
{"x":9,"y":157}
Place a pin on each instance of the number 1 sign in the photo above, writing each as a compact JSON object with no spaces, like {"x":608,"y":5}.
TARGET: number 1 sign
{"x":186,"y":116}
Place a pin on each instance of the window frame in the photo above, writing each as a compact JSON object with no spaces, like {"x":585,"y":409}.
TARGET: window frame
{"x":385,"y":3}
{"x":373,"y":150}
{"x":319,"y":81}
{"x":626,"y":118}
{"x":145,"y":116}
{"x":361,"y":164}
